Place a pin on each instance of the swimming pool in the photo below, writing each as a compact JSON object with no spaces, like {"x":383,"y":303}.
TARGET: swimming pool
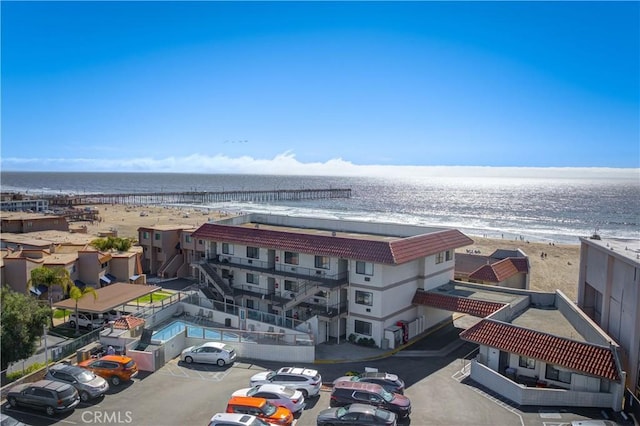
{"x":177,"y":327}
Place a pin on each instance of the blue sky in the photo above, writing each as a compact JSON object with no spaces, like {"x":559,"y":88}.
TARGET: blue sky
{"x":319,"y":87}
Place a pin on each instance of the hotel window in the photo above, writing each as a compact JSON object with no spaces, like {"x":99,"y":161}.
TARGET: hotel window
{"x":362,"y":327}
{"x":440,"y":257}
{"x":527,"y":362}
{"x":364,"y":298}
{"x":364,"y":268}
{"x":322,"y":262}
{"x":291,"y":258}
{"x":145,"y":235}
{"x":157,"y":236}
{"x":201,"y":242}
{"x":227,"y":248}
{"x":449,"y":255}
{"x":253,"y":252}
{"x":187,"y":238}
{"x":252,"y":279}
{"x":557,"y":374}
{"x":290,"y":285}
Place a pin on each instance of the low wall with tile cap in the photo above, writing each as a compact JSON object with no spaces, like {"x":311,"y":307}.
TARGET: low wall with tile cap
{"x":523,"y":395}
{"x":581,"y":322}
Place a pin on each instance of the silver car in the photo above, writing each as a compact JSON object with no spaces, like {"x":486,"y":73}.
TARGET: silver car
{"x":279,"y":395}
{"x":89,"y":385}
{"x":307,"y":381}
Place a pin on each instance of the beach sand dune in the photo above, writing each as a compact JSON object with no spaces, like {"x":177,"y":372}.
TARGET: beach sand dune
{"x":557,"y":270}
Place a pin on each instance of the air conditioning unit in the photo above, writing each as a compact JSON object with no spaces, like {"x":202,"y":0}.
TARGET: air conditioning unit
{"x":367,"y":279}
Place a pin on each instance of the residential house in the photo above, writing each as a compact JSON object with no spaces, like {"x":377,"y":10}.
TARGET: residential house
{"x":32,"y":222}
{"x":503,"y":268}
{"x":163,"y":253}
{"x":609,"y":293}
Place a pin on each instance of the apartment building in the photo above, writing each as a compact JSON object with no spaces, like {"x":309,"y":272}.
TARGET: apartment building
{"x":343,"y":277}
{"x":163,"y":252}
{"x":609,"y":293}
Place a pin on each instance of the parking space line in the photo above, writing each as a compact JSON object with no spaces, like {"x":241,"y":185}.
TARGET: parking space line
{"x":29,"y":413}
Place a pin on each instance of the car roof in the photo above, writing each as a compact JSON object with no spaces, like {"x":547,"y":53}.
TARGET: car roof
{"x":362,"y":408}
{"x":50,"y":384}
{"x":66,"y":368}
{"x":271,"y":387}
{"x":218,"y":345}
{"x":247,"y":400}
{"x":347,"y":384}
{"x":117,"y":358}
{"x":233,"y":417}
{"x":298,"y":370}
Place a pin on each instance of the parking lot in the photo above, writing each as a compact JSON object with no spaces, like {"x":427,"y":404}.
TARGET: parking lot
{"x":181,"y":394}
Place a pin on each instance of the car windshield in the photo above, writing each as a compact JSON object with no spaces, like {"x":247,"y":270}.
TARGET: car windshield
{"x":387,"y":396}
{"x":341,"y":411}
{"x":384,"y":414}
{"x":253,"y":390}
{"x":270,"y":375}
{"x":269,"y":409}
{"x":130,"y":364}
{"x":85,"y":376}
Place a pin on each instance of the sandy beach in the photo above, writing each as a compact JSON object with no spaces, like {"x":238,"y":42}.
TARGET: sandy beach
{"x":558,"y":270}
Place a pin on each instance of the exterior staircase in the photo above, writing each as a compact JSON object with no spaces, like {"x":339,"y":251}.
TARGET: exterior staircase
{"x":170,"y":267}
{"x":305,"y":290}
{"x":215,"y":279}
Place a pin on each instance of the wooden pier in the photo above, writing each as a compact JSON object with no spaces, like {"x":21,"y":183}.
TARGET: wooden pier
{"x":201,"y":197}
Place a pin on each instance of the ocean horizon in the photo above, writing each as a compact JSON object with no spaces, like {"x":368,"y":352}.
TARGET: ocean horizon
{"x":548,"y":209}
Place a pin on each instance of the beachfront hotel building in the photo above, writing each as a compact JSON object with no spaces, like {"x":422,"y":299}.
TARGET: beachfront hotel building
{"x":609,"y":293}
{"x":336,"y":278}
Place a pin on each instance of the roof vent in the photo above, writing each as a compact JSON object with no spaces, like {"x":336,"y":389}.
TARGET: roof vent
{"x":333,"y":233}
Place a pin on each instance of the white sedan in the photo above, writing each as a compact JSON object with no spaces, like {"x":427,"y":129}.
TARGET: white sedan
{"x":277,"y":395}
{"x":209,"y":352}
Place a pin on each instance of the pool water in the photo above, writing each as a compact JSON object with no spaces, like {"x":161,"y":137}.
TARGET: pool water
{"x":178,"y":327}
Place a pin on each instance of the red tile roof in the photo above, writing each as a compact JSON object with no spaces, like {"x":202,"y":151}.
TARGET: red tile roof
{"x":127,"y":322}
{"x":394,"y":252}
{"x":475,"y":307}
{"x":495,"y":272}
{"x":583,"y":357}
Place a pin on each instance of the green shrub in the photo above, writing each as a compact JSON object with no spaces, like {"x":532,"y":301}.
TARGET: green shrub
{"x":352,"y":338}
{"x":366,"y":341}
{"x":11,"y":377}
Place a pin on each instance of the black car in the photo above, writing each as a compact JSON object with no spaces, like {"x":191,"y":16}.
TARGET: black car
{"x":47,"y":395}
{"x":349,"y":392}
{"x":356,"y":414}
{"x":391,"y":382}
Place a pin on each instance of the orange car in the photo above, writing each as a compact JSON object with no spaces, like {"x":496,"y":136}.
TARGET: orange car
{"x":260,"y":407}
{"x":115,"y":368}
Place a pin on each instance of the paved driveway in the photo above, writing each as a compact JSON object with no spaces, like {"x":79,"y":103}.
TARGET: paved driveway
{"x":180,"y":394}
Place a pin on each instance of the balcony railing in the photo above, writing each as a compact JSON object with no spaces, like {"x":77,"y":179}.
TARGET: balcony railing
{"x":282,"y":269}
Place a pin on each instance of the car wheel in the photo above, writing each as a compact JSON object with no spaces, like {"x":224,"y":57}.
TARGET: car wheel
{"x":221,"y":363}
{"x":12,"y":402}
{"x":84,"y":396}
{"x":115,"y":380}
{"x":188,"y":359}
{"x":50,"y":410}
{"x":304,"y":393}
{"x":72,"y":324}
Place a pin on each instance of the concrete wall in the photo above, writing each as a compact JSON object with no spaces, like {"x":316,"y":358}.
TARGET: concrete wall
{"x":266,"y":352}
{"x":541,"y":396}
{"x":580,"y":321}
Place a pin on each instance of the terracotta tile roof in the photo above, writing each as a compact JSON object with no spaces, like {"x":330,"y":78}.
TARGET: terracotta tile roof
{"x":128,"y":322}
{"x":521,"y":263}
{"x":496,"y":272}
{"x":394,"y":252}
{"x":475,"y":307}
{"x":583,"y":357}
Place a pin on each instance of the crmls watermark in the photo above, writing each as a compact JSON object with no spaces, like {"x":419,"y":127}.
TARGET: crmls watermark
{"x":107,"y":417}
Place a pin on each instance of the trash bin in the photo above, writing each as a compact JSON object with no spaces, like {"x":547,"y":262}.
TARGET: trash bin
{"x":384,"y":344}
{"x":227,"y":322}
{"x":83,"y":355}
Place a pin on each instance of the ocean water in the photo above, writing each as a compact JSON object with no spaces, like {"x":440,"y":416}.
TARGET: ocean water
{"x":535,"y":209}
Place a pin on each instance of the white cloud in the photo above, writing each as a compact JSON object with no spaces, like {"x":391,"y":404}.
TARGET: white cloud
{"x":287,"y":164}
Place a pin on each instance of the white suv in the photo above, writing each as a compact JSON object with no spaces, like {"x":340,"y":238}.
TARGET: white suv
{"x":305,"y":380}
{"x":86,"y":320}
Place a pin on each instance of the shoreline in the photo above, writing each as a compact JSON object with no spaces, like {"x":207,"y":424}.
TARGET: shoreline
{"x":558,"y":270}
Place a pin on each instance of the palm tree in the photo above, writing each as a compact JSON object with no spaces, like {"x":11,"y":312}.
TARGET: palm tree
{"x":50,"y":277}
{"x":77,"y":293}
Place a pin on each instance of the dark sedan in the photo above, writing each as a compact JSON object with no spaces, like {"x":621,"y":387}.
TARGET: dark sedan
{"x":47,"y":395}
{"x":356,"y":414}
